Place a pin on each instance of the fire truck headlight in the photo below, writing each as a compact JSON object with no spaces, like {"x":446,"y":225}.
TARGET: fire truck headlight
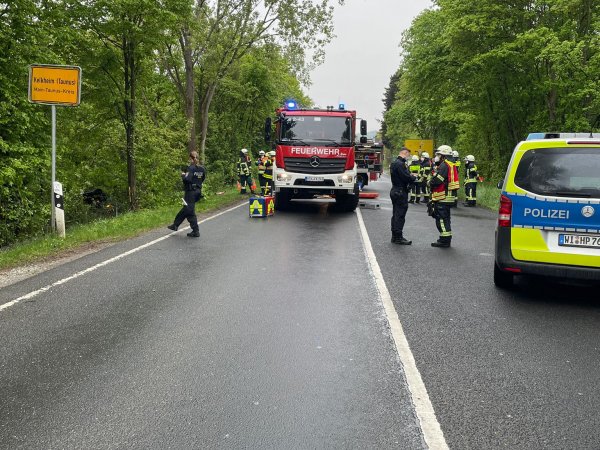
{"x":284,"y":177}
{"x":346,"y":179}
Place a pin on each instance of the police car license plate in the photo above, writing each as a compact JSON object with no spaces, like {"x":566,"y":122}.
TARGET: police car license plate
{"x":579,"y":240}
{"x":314,"y":179}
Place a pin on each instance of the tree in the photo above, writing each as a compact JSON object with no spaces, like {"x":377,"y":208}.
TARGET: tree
{"x":133,"y":29}
{"x":226,"y":30}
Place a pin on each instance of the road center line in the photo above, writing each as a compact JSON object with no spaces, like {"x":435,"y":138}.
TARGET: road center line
{"x":104,"y":263}
{"x":430,"y":427}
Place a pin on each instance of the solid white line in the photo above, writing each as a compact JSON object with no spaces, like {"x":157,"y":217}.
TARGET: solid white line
{"x":104,"y":263}
{"x":432,"y":432}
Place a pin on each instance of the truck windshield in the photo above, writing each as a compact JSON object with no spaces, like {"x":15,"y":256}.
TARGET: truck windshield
{"x":560,"y":172}
{"x":319,"y":130}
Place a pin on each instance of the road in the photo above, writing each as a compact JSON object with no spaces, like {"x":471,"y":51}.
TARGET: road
{"x":274,"y":333}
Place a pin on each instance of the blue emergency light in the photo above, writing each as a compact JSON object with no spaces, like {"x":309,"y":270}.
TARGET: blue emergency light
{"x":291,"y":104}
{"x":342,"y":107}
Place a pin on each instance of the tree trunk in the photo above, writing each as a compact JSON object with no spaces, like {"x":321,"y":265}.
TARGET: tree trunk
{"x":190,"y":91}
{"x":129,"y":117}
{"x":207,"y":97}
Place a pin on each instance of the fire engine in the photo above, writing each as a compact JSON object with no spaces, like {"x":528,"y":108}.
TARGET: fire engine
{"x":315,"y":154}
{"x":369,"y":162}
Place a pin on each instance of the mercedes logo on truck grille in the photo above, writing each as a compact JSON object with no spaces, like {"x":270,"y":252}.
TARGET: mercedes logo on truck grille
{"x":315,"y":161}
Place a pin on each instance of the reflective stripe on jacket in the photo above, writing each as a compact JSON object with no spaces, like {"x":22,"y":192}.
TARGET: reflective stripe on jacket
{"x":268,"y":169}
{"x":453,"y":179}
{"x":471,"y":172}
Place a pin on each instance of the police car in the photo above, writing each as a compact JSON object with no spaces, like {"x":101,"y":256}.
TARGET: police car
{"x":549,"y":216}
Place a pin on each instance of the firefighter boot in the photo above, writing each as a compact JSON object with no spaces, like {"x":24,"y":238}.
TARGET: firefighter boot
{"x":172,"y":227}
{"x":194,"y":233}
{"x":441,"y":243}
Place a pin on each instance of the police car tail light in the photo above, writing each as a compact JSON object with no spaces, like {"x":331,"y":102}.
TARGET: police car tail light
{"x":505,"y":211}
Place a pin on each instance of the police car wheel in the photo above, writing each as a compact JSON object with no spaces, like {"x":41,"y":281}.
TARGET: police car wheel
{"x":502,"y":279}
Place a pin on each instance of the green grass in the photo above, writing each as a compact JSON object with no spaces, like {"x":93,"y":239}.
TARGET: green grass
{"x":106,"y":230}
{"x":488,"y":195}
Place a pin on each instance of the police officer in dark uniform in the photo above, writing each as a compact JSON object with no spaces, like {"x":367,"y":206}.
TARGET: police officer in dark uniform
{"x":402,"y":179}
{"x":192,"y":179}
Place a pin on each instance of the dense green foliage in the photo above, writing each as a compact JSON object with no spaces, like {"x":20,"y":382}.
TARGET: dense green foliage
{"x":160,"y":78}
{"x":481,"y":77}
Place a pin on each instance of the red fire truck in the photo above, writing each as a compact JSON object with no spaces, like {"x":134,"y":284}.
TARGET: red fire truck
{"x":369,"y":162}
{"x":315,"y":154}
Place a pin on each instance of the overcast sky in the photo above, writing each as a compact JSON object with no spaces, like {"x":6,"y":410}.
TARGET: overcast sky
{"x":361,"y":59}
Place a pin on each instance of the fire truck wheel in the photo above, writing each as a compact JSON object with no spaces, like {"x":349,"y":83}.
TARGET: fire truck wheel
{"x":282,"y":201}
{"x":347,"y":202}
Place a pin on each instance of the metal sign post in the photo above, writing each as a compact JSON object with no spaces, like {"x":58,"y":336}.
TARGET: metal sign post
{"x":52,"y":205}
{"x":55,"y":85}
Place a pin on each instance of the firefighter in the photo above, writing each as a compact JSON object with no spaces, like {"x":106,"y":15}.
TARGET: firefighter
{"x":260,"y":163}
{"x":401,"y":181}
{"x":415,"y":189}
{"x":453,"y":192}
{"x":269,"y":163}
{"x":425,"y":175}
{"x":243,"y":168}
{"x":192,"y":179}
{"x":441,"y":181}
{"x":470,"y":181}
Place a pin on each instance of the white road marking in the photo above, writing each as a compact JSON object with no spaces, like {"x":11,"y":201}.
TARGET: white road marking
{"x":104,"y":263}
{"x":432,"y":432}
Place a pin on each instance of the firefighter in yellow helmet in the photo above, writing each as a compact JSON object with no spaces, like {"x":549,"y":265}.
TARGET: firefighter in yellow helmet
{"x":443,"y":180}
{"x":470,"y":181}
{"x":269,"y":163}
{"x":415,"y":188}
{"x":260,"y":163}
{"x":243,"y":168}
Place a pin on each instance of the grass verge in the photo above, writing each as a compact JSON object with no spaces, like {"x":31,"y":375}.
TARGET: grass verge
{"x":106,"y":230}
{"x":488,"y":196}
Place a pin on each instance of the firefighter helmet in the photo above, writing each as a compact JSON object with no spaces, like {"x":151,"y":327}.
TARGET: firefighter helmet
{"x":470,"y":158}
{"x":272,"y":153}
{"x":244,"y":150}
{"x":425,"y":155}
{"x":415,"y":158}
{"x":455,"y":153}
{"x":444,"y":150}
{"x":261,"y":153}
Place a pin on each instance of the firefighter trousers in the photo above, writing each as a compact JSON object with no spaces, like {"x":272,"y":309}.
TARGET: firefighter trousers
{"x":262,"y":181}
{"x":246,"y":182}
{"x":442,"y":221}
{"x":415,"y":192}
{"x":471,"y":193}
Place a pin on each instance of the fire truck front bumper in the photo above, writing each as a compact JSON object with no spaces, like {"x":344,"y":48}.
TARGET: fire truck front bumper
{"x":315,"y":184}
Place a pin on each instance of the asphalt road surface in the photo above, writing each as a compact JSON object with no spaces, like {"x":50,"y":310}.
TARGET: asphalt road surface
{"x":273,"y":333}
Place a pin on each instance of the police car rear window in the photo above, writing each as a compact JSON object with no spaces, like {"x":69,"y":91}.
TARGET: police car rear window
{"x":560,"y":172}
